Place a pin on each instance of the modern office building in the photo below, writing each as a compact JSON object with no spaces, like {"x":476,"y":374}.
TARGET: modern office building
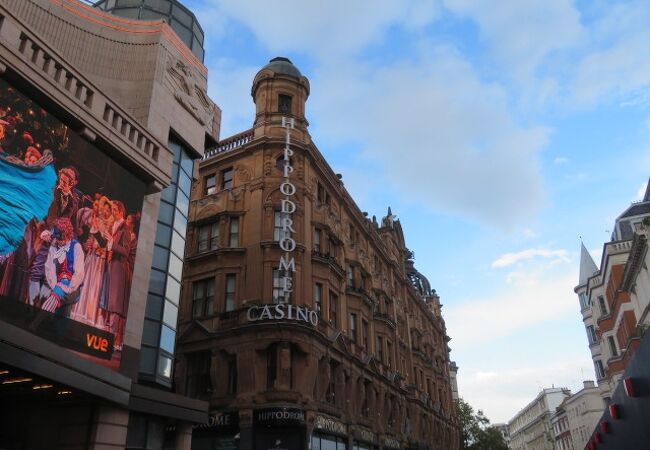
{"x":531,"y":428}
{"x":100,"y":119}
{"x":303,"y":321}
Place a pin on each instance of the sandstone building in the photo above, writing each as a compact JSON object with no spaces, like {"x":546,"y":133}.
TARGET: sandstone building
{"x":101,"y":118}
{"x":303,"y":322}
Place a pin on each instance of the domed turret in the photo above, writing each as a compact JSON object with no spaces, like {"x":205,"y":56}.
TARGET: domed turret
{"x":280,"y":90}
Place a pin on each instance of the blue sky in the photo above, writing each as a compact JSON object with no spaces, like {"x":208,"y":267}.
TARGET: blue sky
{"x":498,"y":132}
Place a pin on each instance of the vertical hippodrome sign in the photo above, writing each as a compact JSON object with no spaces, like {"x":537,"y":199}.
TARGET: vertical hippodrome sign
{"x":288,"y":207}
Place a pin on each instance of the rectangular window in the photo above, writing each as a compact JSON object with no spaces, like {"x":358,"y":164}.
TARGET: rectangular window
{"x":364,"y":333}
{"x":203,"y":298}
{"x":197,"y":382}
{"x":591,"y":335}
{"x":209,"y":237}
{"x":232,"y":375}
{"x":271,"y":366}
{"x":584,"y":301}
{"x":602,"y":305}
{"x":278,"y":291}
{"x":317,"y":233}
{"x":277,"y":226}
{"x":210,"y":183}
{"x":353,"y":327}
{"x":612,"y":346}
{"x":318,"y":297}
{"x":233,"y":240}
{"x":380,"y":348}
{"x":600,"y":372}
{"x":231,"y":280}
{"x":320,"y":194}
{"x":226,"y":178}
{"x":350,"y":276}
{"x":284,"y":104}
{"x":334,"y":300}
{"x":389,"y":354}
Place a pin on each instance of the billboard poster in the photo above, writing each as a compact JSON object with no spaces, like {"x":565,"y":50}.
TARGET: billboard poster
{"x":69,"y":220}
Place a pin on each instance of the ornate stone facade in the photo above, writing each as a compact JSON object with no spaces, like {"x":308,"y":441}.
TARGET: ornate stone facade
{"x":372,"y":369}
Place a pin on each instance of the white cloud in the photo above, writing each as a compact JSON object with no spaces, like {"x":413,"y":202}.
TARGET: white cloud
{"x":560,"y":160}
{"x":535,"y":295}
{"x":328,"y":29}
{"x":522,"y":34}
{"x":509,"y":259}
{"x":444,"y":138}
{"x":229,"y":86}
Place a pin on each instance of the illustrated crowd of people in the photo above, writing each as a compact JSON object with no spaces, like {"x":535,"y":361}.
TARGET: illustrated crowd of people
{"x":78,"y":261}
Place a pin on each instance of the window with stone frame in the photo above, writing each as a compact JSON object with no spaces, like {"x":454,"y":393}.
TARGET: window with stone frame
{"x":230,"y":292}
{"x":227,"y":178}
{"x":317,"y":240}
{"x":318,"y":298}
{"x":284,"y":103}
{"x":353,"y":327}
{"x":233,"y":229}
{"x":210,"y":184}
{"x":333,"y":306}
{"x":208,"y":237}
{"x":197,"y":381}
{"x":232,"y":374}
{"x":203,"y":298}
{"x":278,"y":228}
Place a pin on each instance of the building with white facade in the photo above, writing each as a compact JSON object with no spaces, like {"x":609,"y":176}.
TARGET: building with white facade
{"x":615,"y":298}
{"x":530,"y":428}
{"x":583,"y":410}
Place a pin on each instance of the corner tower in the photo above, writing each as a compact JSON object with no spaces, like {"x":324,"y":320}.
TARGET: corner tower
{"x":280,"y":90}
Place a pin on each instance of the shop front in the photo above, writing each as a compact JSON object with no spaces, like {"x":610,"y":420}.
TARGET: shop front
{"x":279,"y":429}
{"x":363,"y":439}
{"x":221,"y":432}
{"x":329,"y":434}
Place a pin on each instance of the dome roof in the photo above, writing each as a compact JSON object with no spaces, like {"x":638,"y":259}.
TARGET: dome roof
{"x":283,"y":66}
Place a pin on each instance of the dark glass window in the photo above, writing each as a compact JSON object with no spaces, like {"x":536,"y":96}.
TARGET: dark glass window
{"x":317,"y":233}
{"x":198,"y":381}
{"x":271,"y":366}
{"x":232,"y":375}
{"x":284,"y":103}
{"x":203,"y":298}
{"x":353,"y":327}
{"x":231,"y":282}
{"x":277,"y":226}
{"x":234,"y":232}
{"x":380,"y":348}
{"x":210,"y":183}
{"x":318,"y":297}
{"x":226,"y":178}
{"x":334,"y":300}
{"x":364,"y":333}
{"x":167,"y":337}
{"x":209,"y":237}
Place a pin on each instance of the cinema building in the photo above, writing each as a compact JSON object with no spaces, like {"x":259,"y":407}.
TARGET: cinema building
{"x":101,"y":118}
{"x":303,"y":321}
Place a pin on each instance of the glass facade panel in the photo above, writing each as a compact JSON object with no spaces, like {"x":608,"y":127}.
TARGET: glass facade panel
{"x":163,"y":235}
{"x":148,"y":359}
{"x":173,"y":292}
{"x":183,"y":203}
{"x":178,"y":244}
{"x":170,"y":316}
{"x":157,"y":282}
{"x":160,"y":256}
{"x":166,"y":213}
{"x":167,"y":337}
{"x":185,"y":183}
{"x":169,"y":193}
{"x":165,"y":366}
{"x":154,"y":306}
{"x":150,"y":332}
{"x":175,"y":266}
{"x":180,"y":223}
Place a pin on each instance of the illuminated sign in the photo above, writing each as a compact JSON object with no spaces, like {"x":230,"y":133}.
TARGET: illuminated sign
{"x":280,"y":416}
{"x":68,"y":233}
{"x":327,"y":424}
{"x":282,"y":311}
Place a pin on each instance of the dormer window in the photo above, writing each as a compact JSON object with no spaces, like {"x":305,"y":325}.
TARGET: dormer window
{"x":284,"y":104}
